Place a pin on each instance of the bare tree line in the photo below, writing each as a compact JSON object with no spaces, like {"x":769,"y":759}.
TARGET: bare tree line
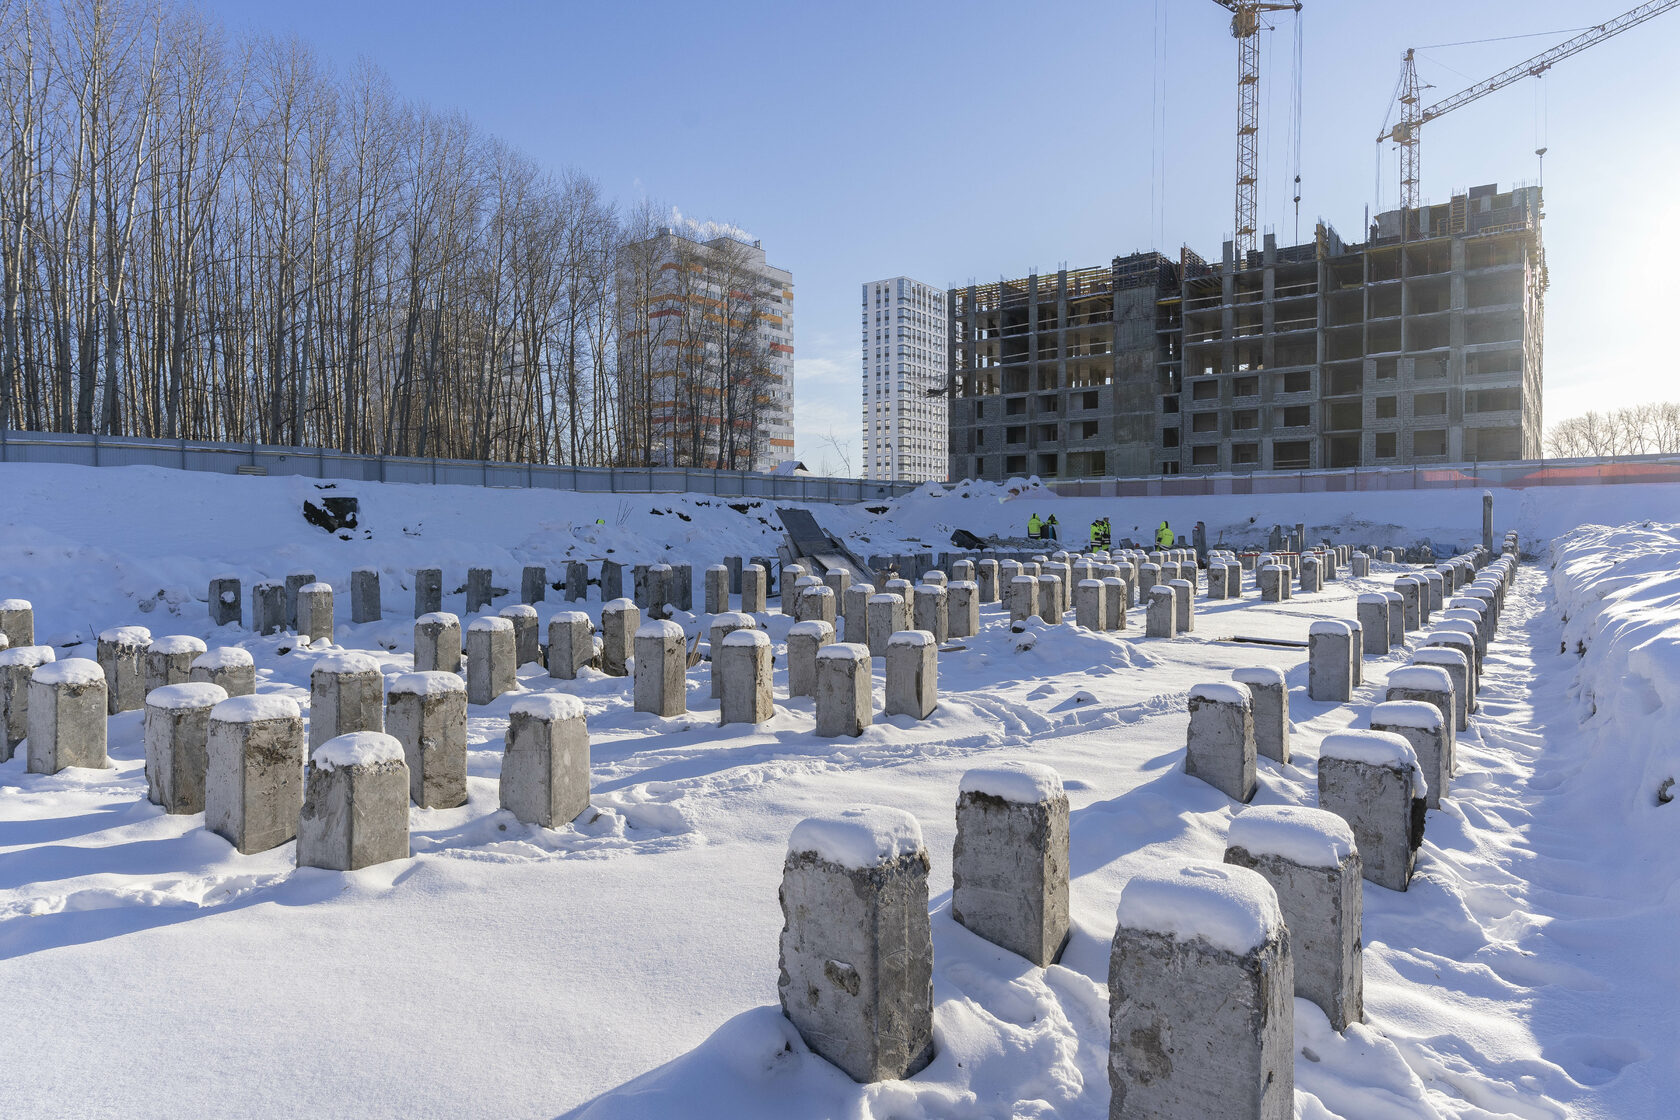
{"x":221,"y":239}
{"x":1641,"y":429}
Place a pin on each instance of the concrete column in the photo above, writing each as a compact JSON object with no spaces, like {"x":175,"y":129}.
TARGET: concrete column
{"x":1475,"y":618}
{"x":754,"y":581}
{"x":1312,"y":578}
{"x":724,"y":625}
{"x":1184,"y":604}
{"x":1330,"y":661}
{"x":1050,"y":599}
{"x":1089,"y":605}
{"x":1270,"y":693}
{"x":526,"y":634}
{"x":856,"y":612}
{"x":427,"y":714}
{"x":1023,"y":598}
{"x":1009,"y":868}
{"x":1063,"y":573}
{"x":962,"y":571}
{"x":856,"y":958}
{"x":346,"y":694}
{"x":1360,"y":565}
{"x":1008,"y":570}
{"x":1456,"y":634}
{"x":428,"y":591}
{"x":122,"y":656}
{"x":177,"y":732}
{"x":1410,"y":601}
{"x":315,"y":612}
{"x":791,"y":575}
{"x":1372,"y":609}
{"x":905,"y":590}
{"x":1273,"y":580}
{"x":355,"y":804}
{"x":545,"y":759}
{"x":533,"y":583}
{"x":1216,"y":580}
{"x":816,"y":602}
{"x":962,"y":609}
{"x":1201,"y":965}
{"x":1435,"y":584}
{"x":1310,"y":859}
{"x":1356,"y":634}
{"x":657,"y":598}
{"x":577,"y":581}
{"x":887,"y":616}
{"x":717,"y":589}
{"x":571,"y":644}
{"x":1386,"y":556}
{"x":932,"y":612}
{"x":1161,"y":620}
{"x":1114,"y":603}
{"x":619,"y":622}
{"x":733,"y":563}
{"x":612,"y":580}
{"x":295,"y":582}
{"x":66,"y":716}
{"x":912,"y":674}
{"x":803,"y":641}
{"x":364,"y":595}
{"x":226,"y":606}
{"x":1487,"y":520}
{"x":743,"y":665}
{"x":1396,"y":619}
{"x":845,"y":702}
{"x":681,"y":586}
{"x":229,"y":667}
{"x":253,"y":776}
{"x":1148,"y":576}
{"x":17,"y":622}
{"x":1421,"y":725}
{"x":661,"y":669}
{"x":480,"y":591}
{"x":490,"y":665}
{"x":437,"y":643}
{"x":1219,"y":745}
{"x":1371,"y":779}
{"x":1431,"y":684}
{"x":986,"y":575}
{"x":1459,"y":669}
{"x":169,"y":660}
{"x":17,"y":665}
{"x":838,"y":580}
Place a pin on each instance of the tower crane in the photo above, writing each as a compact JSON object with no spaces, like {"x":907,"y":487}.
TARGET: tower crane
{"x":1407,"y":133}
{"x":1245,"y":29}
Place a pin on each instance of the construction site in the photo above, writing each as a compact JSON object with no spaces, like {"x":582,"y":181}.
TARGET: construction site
{"x":1421,"y":342}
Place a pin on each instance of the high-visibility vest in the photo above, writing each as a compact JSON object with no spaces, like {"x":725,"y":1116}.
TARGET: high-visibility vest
{"x":1034,"y":525}
{"x":1163,"y":537}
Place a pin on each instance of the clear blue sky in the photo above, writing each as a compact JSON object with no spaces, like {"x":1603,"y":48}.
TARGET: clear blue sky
{"x":959,"y":141}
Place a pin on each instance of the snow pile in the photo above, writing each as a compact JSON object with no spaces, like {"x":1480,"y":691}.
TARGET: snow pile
{"x":1306,"y":836}
{"x":859,"y":837}
{"x":1231,"y":908}
{"x":359,"y":748}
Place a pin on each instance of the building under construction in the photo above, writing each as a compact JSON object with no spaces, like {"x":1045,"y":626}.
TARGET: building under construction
{"x":1422,"y":345}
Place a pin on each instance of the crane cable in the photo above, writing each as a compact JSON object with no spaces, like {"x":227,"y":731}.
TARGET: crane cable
{"x":1295,"y":133}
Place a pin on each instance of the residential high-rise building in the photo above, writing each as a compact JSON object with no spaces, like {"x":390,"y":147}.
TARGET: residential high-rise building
{"x":1423,"y":345}
{"x":906,"y":325}
{"x":705,"y":354}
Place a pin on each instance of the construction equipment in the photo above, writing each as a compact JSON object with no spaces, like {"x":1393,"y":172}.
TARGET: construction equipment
{"x":1407,"y":132}
{"x":1245,"y":29}
{"x":812,"y":545}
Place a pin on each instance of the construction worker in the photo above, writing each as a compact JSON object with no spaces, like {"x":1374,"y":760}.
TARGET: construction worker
{"x":1050,"y":529}
{"x":1198,"y":541}
{"x":1035,"y":527}
{"x":1163,"y":536}
{"x":1107,"y":533}
{"x":1096,"y":533}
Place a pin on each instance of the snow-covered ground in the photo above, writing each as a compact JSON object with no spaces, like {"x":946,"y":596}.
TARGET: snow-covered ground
{"x":626,"y":966}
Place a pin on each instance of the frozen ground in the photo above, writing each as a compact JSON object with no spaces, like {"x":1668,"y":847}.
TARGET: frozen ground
{"x":627,"y":966}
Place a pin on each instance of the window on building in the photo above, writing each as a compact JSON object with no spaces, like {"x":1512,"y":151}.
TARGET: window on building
{"x":1386,"y":445}
{"x":1429,"y":404}
{"x":1245,"y":387}
{"x":1388,"y":408}
{"x":1204,"y":422}
{"x":1245,"y":454}
{"x":1207,"y":390}
{"x":1089,"y":429}
{"x":1169,"y":437}
{"x":1015,"y":434}
{"x":1297,"y":416}
{"x":1297,"y":382}
{"x":1245,"y":420}
{"x":1429,"y":443}
{"x":1293,"y":454}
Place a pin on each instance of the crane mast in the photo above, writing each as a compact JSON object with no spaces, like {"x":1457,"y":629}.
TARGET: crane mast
{"x":1407,"y":132}
{"x":1245,"y":28}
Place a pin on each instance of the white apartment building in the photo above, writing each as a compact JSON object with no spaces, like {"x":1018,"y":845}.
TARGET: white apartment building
{"x":708,"y":326}
{"x":905,"y":331}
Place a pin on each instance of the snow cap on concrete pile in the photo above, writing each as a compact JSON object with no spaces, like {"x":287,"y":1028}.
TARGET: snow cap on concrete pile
{"x":1022,"y":783}
{"x":1376,"y":748}
{"x":548,"y":706}
{"x":359,"y":748}
{"x":16,"y":605}
{"x":1300,"y":834}
{"x":426,"y":684}
{"x":917,"y":638}
{"x":178,"y":643}
{"x":1221,"y":693}
{"x":346,"y":663}
{"x":1421,"y":676}
{"x":744,"y":637}
{"x":491,"y":622}
{"x":1231,"y":908}
{"x":740,"y":620}
{"x":28,"y":655}
{"x":317,"y":586}
{"x":1258,"y":674}
{"x":75,"y":671}
{"x":1330,"y":627}
{"x":255,"y":709}
{"x":126,"y":635}
{"x":192,"y":694}
{"x":439,"y":618}
{"x":844,"y":651}
{"x":1408,"y":713}
{"x":859,"y":837}
{"x":658,"y":628}
{"x":224,"y":657}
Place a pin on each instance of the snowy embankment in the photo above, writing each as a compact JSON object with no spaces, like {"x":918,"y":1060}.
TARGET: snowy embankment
{"x":626,"y":966}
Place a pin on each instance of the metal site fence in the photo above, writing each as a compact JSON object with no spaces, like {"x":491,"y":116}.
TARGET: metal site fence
{"x":254,"y":458}
{"x":1454,"y":476}
{"x":309,"y":462}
